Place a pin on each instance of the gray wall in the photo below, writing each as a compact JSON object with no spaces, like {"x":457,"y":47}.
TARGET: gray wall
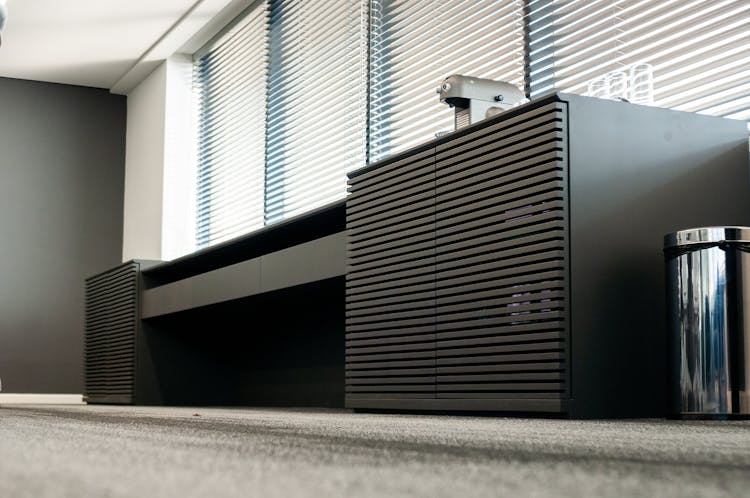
{"x":62,"y":156}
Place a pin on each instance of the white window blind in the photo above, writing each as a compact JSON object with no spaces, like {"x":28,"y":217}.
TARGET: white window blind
{"x":699,"y":49}
{"x":288,"y":100}
{"x":230,"y":87}
{"x":414,"y":44}
{"x":317,"y":91}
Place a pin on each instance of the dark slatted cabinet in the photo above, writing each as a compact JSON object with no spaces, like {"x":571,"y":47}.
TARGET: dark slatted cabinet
{"x":500,"y":260}
{"x":515,"y":266}
{"x":112,"y":325}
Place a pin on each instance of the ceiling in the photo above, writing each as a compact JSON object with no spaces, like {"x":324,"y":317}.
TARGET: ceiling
{"x":92,"y":43}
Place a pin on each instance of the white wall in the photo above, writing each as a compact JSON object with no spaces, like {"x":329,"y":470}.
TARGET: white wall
{"x":159,"y":211}
{"x":144,"y":165}
{"x":180,"y":170}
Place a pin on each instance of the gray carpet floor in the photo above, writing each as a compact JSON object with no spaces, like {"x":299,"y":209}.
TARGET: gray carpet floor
{"x":82,"y":451}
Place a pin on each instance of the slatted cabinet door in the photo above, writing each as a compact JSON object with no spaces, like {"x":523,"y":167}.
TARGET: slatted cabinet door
{"x":110,"y":336}
{"x":501,"y":292}
{"x":390,"y":295}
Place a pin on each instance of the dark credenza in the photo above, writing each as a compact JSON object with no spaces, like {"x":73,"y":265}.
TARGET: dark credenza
{"x":516,"y":265}
{"x":258,"y":320}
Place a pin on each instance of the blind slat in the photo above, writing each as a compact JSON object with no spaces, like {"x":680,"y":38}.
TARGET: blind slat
{"x":698,"y":49}
{"x":316,"y":101}
{"x":230,"y":89}
{"x":415,"y":44}
{"x":284,"y":112}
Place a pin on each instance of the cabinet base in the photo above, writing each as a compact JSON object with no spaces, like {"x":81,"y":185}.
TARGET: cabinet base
{"x":495,"y":405}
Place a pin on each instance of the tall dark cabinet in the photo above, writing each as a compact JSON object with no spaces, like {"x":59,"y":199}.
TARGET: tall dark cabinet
{"x":112,"y":334}
{"x":516,"y":265}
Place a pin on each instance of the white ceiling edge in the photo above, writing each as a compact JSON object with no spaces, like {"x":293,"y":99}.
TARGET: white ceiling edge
{"x":188,"y":34}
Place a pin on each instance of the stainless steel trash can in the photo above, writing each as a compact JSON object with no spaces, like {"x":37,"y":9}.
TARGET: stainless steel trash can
{"x":708,"y":301}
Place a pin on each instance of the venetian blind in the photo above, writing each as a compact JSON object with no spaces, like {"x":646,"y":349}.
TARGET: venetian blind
{"x":317,"y":92}
{"x":699,"y":50}
{"x":414,"y":44}
{"x":230,"y":88}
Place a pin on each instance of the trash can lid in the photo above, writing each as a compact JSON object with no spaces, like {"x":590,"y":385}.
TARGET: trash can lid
{"x":706,"y":235}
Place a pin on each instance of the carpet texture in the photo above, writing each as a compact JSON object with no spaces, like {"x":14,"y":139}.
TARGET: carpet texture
{"x":91,"y":451}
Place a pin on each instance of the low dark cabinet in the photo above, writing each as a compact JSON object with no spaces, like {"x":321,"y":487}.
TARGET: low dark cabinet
{"x":516,"y":265}
{"x":112,"y":334}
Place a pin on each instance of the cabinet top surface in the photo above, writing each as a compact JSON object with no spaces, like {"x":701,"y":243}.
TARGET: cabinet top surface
{"x":604,"y":107}
{"x":545,"y":99}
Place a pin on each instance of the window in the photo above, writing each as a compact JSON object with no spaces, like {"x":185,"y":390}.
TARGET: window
{"x":296,"y":93}
{"x":281,"y":113}
{"x":414,"y":44}
{"x":698,"y":49}
{"x":230,"y":76}
{"x":316,"y":103}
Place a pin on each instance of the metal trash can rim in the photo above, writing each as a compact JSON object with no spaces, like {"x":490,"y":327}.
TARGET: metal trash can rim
{"x":707,"y":235}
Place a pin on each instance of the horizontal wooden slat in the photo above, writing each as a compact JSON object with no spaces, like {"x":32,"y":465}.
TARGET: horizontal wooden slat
{"x":553,"y":316}
{"x":399,"y":364}
{"x":419,"y":257}
{"x":110,"y":322}
{"x":501,"y":172}
{"x":391,"y":388}
{"x":402,"y":238}
{"x":474,"y":354}
{"x":353,"y":351}
{"x":380,"y":253}
{"x":510,"y":302}
{"x":455,"y":201}
{"x":501,"y":339}
{"x":405,"y":313}
{"x":404,"y":324}
{"x":406,"y":396}
{"x":555,"y":405}
{"x":422,"y":301}
{"x":452,"y":157}
{"x":474,"y":261}
{"x":414,"y":191}
{"x":393,"y":174}
{"x":111,"y":279}
{"x":502,"y":330}
{"x":525,"y":274}
{"x":498,"y":395}
{"x":473,"y":245}
{"x":551,"y":109}
{"x":394,"y":372}
{"x":393,"y":332}
{"x":391,"y":272}
{"x":521,"y":287}
{"x":524,"y":146}
{"x":401,"y":355}
{"x":554,"y":375}
{"x":361,"y":298}
{"x":414,"y":214}
{"x":524,"y":356}
{"x":386,"y":215}
{"x":379,"y":381}
{"x":510,"y":267}
{"x":418,"y":283}
{"x":406,"y":180}
{"x":505,"y":222}
{"x":550,"y":361}
{"x":386,"y":167}
{"x":505,"y":387}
